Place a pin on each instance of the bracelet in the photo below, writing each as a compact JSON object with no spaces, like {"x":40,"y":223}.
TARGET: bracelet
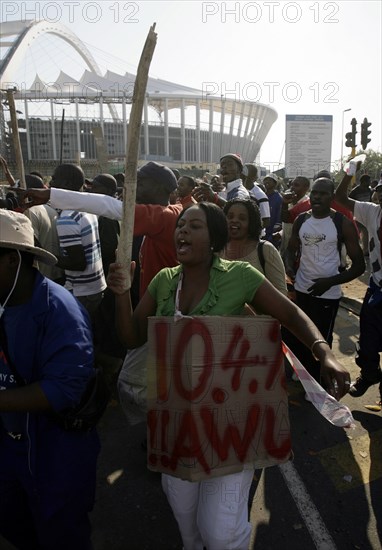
{"x":318,"y":341}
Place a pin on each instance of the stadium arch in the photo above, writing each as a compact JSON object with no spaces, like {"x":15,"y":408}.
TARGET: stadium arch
{"x":181,"y":125}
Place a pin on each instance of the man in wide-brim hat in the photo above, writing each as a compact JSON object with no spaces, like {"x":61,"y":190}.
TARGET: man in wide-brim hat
{"x":47,"y":475}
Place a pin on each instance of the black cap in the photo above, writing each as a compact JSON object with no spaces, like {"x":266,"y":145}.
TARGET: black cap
{"x":160,"y":174}
{"x":106,"y":180}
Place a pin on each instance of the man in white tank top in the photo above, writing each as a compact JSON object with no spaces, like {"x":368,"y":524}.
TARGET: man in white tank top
{"x":313,"y":260}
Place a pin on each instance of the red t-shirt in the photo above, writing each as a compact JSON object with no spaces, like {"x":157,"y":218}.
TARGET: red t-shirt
{"x":304,"y":206}
{"x":299,"y":208}
{"x":187,"y":201}
{"x":157,"y":224}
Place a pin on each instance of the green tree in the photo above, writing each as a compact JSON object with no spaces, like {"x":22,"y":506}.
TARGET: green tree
{"x":371,"y":166}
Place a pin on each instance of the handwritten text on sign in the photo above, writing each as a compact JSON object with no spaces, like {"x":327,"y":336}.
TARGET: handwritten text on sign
{"x":216,"y":395}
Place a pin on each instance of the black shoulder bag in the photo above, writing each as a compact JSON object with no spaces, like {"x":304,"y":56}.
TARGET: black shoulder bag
{"x":84,"y":416}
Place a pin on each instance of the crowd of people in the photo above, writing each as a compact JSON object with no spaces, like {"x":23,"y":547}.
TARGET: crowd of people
{"x":218,"y":245}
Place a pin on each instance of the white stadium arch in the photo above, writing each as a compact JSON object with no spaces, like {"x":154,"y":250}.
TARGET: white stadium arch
{"x":26,"y":32}
{"x":180,"y":126}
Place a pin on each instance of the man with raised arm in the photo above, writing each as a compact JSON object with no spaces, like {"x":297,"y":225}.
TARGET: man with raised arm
{"x":370,"y":321}
{"x":155,"y":218}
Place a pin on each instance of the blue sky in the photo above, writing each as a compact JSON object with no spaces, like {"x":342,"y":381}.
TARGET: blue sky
{"x":307,"y":57}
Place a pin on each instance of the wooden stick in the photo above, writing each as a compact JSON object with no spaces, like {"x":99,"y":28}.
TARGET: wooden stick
{"x":132,"y":149}
{"x":16,"y":139}
{"x":101,"y":150}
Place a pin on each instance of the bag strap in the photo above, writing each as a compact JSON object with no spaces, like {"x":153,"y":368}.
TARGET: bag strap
{"x":300,"y":220}
{"x":260,"y":253}
{"x":4,"y":344}
{"x":337,"y":218}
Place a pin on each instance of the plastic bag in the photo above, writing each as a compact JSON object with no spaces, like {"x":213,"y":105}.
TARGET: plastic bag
{"x":332,"y":410}
{"x":132,"y":385}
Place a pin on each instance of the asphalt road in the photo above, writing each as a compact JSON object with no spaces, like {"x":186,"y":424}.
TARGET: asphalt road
{"x":329,"y":497}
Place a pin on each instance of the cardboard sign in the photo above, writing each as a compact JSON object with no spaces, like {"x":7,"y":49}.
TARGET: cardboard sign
{"x":216,"y":396}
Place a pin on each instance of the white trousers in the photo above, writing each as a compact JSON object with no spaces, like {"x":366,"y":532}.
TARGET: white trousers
{"x":211,"y":513}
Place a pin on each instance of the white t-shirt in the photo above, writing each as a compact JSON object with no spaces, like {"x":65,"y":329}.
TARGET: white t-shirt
{"x":319,"y":255}
{"x":370,"y":214}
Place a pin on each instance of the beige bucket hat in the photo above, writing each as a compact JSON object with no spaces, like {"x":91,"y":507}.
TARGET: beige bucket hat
{"x":16,"y":232}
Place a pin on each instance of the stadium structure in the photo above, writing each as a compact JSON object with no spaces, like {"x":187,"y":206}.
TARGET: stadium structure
{"x":87,"y":119}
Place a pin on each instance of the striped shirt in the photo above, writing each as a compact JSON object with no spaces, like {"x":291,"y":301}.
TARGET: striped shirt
{"x":78,"y":228}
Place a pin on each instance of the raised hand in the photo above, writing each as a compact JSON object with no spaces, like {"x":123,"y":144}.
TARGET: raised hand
{"x":32,"y":197}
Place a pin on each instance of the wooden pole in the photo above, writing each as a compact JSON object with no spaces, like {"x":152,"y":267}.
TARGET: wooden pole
{"x":16,"y":139}
{"x":132,"y":150}
{"x":101,"y":150}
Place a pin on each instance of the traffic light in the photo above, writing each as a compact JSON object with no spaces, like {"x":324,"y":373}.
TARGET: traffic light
{"x":350,"y":136}
{"x":364,"y":133}
{"x":349,"y":139}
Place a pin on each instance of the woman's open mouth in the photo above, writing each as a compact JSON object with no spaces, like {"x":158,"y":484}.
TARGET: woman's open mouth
{"x":182,"y":246}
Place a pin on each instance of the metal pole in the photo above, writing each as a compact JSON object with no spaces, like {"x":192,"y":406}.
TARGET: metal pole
{"x":342,"y":137}
{"x":62,"y":134}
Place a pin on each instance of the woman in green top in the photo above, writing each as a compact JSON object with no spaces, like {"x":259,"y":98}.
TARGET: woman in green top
{"x":204,"y":284}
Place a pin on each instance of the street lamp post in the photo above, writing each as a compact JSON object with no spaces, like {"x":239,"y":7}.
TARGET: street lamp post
{"x":342,"y":137}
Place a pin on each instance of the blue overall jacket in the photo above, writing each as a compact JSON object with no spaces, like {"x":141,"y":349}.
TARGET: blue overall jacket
{"x":53,"y":346}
